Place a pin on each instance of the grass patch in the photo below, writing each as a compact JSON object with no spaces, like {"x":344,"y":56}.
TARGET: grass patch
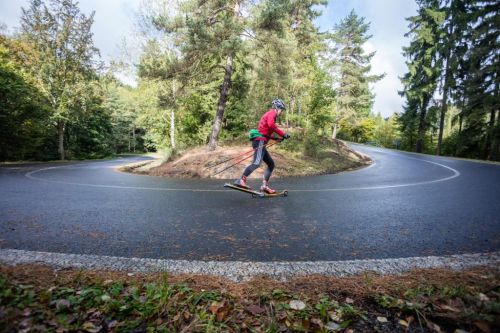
{"x":39,"y":299}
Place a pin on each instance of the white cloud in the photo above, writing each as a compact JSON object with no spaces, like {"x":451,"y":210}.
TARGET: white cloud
{"x":386,"y":61}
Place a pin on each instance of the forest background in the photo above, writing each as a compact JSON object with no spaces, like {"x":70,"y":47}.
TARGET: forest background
{"x":208,"y":69}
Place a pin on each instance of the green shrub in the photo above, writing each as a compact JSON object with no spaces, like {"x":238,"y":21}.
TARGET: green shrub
{"x":311,"y":144}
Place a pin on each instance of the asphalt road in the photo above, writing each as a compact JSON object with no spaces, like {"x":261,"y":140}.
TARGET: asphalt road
{"x":403,"y":205}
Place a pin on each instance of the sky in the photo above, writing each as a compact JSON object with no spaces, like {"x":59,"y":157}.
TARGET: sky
{"x":114,"y":21}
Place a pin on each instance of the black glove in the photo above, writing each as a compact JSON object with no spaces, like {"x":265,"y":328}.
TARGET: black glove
{"x":286,"y":136}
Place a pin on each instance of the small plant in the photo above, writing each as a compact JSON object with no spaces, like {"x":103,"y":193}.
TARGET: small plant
{"x":324,"y":306}
{"x":453,"y":291}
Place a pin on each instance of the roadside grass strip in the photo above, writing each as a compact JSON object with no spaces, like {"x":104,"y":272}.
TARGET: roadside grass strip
{"x":39,"y":298}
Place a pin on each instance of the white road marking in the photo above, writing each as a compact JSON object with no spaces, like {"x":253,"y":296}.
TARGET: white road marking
{"x":243,"y":270}
{"x":455,"y":174}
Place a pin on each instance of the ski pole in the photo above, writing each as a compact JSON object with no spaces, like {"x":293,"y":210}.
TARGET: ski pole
{"x":232,"y":165}
{"x":232,"y":158}
{"x":241,"y":160}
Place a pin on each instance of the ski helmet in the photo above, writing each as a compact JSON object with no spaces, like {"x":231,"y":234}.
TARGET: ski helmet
{"x":278,"y":104}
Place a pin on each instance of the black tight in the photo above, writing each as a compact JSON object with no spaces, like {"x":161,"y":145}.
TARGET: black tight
{"x":260,"y":154}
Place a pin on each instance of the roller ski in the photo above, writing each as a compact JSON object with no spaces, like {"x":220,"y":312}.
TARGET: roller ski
{"x":265,"y":190}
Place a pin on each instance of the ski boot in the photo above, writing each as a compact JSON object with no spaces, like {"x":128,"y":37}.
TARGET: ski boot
{"x":242,"y":182}
{"x":266,"y":189}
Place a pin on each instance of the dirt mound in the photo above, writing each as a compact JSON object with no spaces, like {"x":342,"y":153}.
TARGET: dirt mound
{"x":201,"y":163}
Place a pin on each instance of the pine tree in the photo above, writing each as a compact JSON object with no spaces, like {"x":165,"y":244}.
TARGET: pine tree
{"x":424,"y":64}
{"x":354,"y":98}
{"x":452,"y":47}
{"x":481,"y":82}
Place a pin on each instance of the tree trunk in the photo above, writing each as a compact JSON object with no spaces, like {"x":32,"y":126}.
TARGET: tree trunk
{"x":221,"y":105}
{"x":444,"y":104}
{"x":224,"y":92}
{"x":290,"y":112}
{"x":422,"y":126}
{"x":334,"y":134}
{"x":133,"y":139}
{"x":444,"y":109}
{"x":60,"y":131}
{"x":172,"y":129}
{"x":491,"y":135}
{"x":489,"y":140}
{"x":172,"y":117}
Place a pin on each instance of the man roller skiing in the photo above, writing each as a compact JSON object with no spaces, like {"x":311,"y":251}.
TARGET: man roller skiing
{"x":267,"y":126}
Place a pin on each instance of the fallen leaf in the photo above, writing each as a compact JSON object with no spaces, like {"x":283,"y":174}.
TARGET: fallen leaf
{"x":297,"y":305}
{"x":458,"y":330}
{"x":331,"y":326}
{"x":281,"y":315}
{"x":95,"y":315}
{"x":317,"y":322}
{"x":255,"y":310}
{"x":221,"y":315}
{"x":62,"y":304}
{"x":90,"y":327}
{"x":219,"y":309}
{"x":456,"y":303}
{"x":335,"y":316}
{"x":53,"y":322}
{"x":434,"y":326}
{"x":484,"y":327}
{"x":382,"y":319}
{"x":449,"y":308}
{"x":483,"y":297}
{"x":105,"y":297}
{"x":349,"y":300}
{"x":107,"y":282}
{"x":158,"y":321}
{"x":25,"y":323}
{"x":403,"y":323}
{"x":91,"y":310}
{"x":214,"y":307}
{"x":130,"y":274}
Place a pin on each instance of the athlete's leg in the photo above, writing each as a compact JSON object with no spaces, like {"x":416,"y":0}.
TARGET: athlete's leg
{"x":270,"y":165}
{"x":258,"y":146}
{"x":267,"y":174}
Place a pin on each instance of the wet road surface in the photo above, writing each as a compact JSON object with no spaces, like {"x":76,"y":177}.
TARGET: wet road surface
{"x":403,"y":205}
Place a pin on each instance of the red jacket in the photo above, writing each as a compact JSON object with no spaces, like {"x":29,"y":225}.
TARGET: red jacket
{"x":267,"y":125}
